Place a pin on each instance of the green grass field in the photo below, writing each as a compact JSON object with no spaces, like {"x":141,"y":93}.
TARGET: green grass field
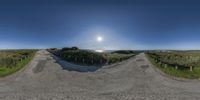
{"x":12,"y":61}
{"x":177,"y":63}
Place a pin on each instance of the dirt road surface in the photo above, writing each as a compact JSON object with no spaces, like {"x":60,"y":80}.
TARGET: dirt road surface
{"x":45,"y":78}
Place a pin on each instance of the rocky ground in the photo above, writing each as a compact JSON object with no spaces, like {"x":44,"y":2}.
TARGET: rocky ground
{"x":47,"y":78}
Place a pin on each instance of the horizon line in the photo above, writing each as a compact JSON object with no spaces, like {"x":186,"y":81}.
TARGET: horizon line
{"x":156,"y":49}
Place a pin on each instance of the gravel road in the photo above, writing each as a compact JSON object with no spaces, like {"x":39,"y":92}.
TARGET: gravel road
{"x":135,"y":79}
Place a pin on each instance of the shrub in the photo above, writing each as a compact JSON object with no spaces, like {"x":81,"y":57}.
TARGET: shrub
{"x":67,"y":48}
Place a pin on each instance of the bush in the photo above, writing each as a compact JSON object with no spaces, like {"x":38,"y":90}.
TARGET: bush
{"x":67,"y":48}
{"x":53,"y":49}
{"x":83,"y":57}
{"x":124,"y":52}
{"x":11,"y":58}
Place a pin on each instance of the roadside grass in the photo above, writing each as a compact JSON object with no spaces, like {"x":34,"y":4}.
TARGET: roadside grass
{"x":89,"y":57}
{"x":116,"y":57}
{"x":183,"y":73}
{"x":5,"y":71}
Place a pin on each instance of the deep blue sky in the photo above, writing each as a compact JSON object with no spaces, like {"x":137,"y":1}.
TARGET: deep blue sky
{"x":124,"y":24}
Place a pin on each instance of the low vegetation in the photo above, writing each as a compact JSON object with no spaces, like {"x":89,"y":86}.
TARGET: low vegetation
{"x":13,"y":60}
{"x":184,"y":64}
{"x":116,"y":56}
{"x":88,"y":57}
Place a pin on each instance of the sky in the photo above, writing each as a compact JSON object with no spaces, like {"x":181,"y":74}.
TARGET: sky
{"x":123,"y":24}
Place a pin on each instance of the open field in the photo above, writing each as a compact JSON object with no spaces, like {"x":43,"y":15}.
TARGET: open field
{"x":88,"y":57}
{"x":185,"y":64}
{"x":134,"y":79}
{"x":13,"y":60}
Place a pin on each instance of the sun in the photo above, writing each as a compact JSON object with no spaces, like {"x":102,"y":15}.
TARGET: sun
{"x":99,"y":39}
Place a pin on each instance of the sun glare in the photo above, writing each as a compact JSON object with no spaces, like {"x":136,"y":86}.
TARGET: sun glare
{"x":99,"y":51}
{"x":99,"y":39}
